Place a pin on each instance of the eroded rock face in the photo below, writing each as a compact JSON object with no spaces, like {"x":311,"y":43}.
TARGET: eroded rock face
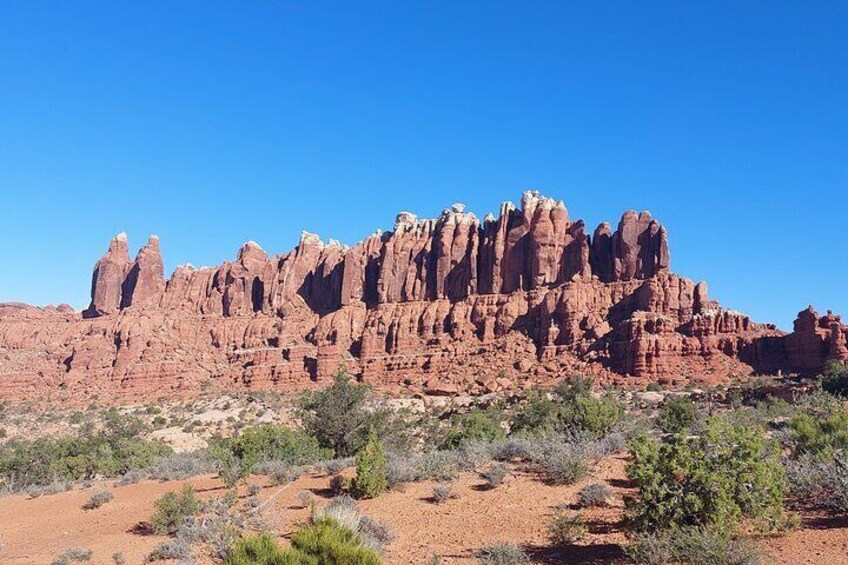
{"x":816,"y":340}
{"x":450,"y":304}
{"x":107,"y":281}
{"x":145,"y":280}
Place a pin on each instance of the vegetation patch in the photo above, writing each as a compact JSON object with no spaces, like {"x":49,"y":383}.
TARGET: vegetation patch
{"x":172,"y":509}
{"x":677,"y":413}
{"x":371,"y":479}
{"x":112,"y":450}
{"x":708,"y":545}
{"x":596,"y":494}
{"x":718,"y":479}
{"x":98,"y":499}
{"x":502,"y":553}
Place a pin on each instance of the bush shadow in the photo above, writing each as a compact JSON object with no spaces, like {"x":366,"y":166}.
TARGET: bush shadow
{"x":597,"y":554}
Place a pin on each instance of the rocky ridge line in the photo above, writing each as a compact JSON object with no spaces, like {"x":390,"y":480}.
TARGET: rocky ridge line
{"x":445,"y":304}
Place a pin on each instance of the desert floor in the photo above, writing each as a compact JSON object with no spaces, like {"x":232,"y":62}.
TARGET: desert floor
{"x":36,"y":530}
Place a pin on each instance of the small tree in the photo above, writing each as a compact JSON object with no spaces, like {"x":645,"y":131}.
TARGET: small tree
{"x":339,"y":416}
{"x":596,"y":416}
{"x":172,"y":508}
{"x":371,"y":463}
{"x":231,"y":469}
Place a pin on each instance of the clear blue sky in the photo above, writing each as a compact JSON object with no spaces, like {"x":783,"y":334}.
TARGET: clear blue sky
{"x":212,"y":123}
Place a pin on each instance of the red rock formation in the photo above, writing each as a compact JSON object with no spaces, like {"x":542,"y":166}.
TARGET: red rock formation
{"x":443,"y":305}
{"x":145,"y":280}
{"x":815,"y":341}
{"x":107,"y":282}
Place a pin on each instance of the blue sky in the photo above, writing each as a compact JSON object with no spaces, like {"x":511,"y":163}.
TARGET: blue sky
{"x":212,"y":123}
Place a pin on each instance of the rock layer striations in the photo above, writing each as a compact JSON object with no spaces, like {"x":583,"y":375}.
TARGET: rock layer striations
{"x":446,"y":304}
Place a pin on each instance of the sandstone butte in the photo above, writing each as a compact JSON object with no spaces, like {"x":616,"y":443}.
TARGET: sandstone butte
{"x":444,"y":305}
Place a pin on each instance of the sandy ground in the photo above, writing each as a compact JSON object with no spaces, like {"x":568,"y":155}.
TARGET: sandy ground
{"x":37,"y":530}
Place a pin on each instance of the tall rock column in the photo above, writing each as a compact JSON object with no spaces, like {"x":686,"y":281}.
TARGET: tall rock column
{"x":456,"y":248}
{"x":548,"y":235}
{"x":145,"y":281}
{"x":602,"y":257}
{"x":626,"y":247}
{"x":107,"y":281}
{"x":501,"y":251}
{"x":407,"y":264}
{"x":639,"y":248}
{"x":361,"y":270}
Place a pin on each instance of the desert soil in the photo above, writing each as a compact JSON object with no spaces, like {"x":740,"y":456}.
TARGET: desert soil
{"x":36,"y":530}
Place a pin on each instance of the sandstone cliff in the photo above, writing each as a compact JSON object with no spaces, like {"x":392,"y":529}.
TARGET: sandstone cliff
{"x":451,"y":303}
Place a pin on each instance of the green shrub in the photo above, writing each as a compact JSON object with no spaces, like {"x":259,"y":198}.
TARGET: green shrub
{"x":835,"y":379}
{"x":275,"y":442}
{"x":538,"y":414}
{"x":263,"y":550}
{"x":696,"y":545}
{"x":819,"y":436}
{"x":573,"y":408}
{"x":111,"y":451}
{"x":677,"y":414}
{"x":371,"y":479}
{"x":725,"y":475}
{"x":172,"y":509}
{"x":238,"y":456}
{"x":477,"y":425}
{"x":597,"y":416}
{"x":230,"y":468}
{"x":328,"y":543}
{"x":339,"y":417}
